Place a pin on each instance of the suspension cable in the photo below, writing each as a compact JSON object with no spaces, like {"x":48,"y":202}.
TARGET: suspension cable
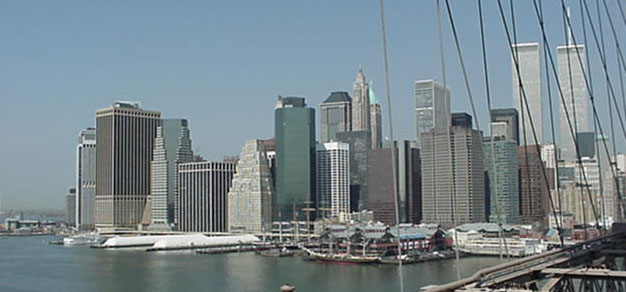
{"x":393,"y":150}
{"x":591,"y":96}
{"x":517,"y":68}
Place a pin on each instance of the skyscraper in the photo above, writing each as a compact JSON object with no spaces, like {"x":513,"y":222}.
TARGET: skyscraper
{"x":250,"y":196}
{"x":295,"y":158}
{"x":505,"y":122}
{"x":375,"y":119}
{"x":202,"y":197}
{"x":172,"y":146}
{"x":125,"y":138}
{"x":360,"y":144}
{"x":573,"y":86}
{"x":70,"y":210}
{"x":529,"y":67}
{"x":333,"y":179}
{"x":534,"y":191}
{"x":432,"y":107}
{"x":360,"y":103}
{"x":453,"y":178}
{"x":85,"y":178}
{"x":380,"y":175}
{"x":502,"y":165}
{"x":336,"y":115}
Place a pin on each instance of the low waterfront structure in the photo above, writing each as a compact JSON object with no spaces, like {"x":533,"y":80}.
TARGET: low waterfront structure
{"x":184,"y":241}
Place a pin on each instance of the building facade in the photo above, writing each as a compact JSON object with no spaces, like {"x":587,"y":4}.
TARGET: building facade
{"x":574,"y":89}
{"x":85,"y":178}
{"x":376,"y":119}
{"x":295,"y":158}
{"x":333,"y":179}
{"x":360,"y":103}
{"x":360,"y":143}
{"x":502,"y":166}
{"x":453,"y":177}
{"x":505,"y":122}
{"x":250,"y":196}
{"x":70,"y":210}
{"x":432,"y":107}
{"x":172,"y":146}
{"x":124,"y":143}
{"x":335,"y":115}
{"x":528,"y":58}
{"x":534,"y":190}
{"x":202,"y":199}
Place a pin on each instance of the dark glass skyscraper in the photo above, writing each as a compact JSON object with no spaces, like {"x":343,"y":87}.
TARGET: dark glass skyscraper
{"x":336,"y":115}
{"x":295,"y":158}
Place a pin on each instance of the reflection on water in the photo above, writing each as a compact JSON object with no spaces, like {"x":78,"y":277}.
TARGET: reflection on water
{"x":30,"y":264}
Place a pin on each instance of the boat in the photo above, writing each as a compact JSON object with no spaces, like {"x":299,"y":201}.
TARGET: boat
{"x":517,"y":247}
{"x":283,"y":252}
{"x":341,"y":258}
{"x":83,"y":239}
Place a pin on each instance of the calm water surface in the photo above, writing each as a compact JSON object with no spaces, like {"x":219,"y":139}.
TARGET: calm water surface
{"x":30,"y":264}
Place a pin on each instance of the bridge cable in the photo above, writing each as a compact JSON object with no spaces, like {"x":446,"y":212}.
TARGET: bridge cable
{"x":393,"y":150}
{"x":551,"y":59}
{"x":613,"y":137}
{"x":449,"y":142}
{"x":591,"y":97}
{"x":521,"y":106}
{"x":517,"y":68}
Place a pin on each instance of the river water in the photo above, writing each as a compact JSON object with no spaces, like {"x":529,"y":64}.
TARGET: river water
{"x":31,"y":264}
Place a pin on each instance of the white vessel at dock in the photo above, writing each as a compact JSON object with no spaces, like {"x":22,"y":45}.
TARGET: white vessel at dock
{"x":514,"y":246}
{"x":83,"y":239}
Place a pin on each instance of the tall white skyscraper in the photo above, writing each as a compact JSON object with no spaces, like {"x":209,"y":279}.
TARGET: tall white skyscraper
{"x":250,"y":196}
{"x":530,"y":71}
{"x":573,"y":86}
{"x":85,"y":178}
{"x":360,"y":103}
{"x":333,"y":178}
{"x":432,"y":107}
{"x":172,"y":146}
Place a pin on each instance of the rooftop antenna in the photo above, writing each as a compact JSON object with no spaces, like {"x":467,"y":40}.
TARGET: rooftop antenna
{"x":569,"y":30}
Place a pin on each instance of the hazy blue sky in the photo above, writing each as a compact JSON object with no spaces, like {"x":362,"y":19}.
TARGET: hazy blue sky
{"x":222,"y":64}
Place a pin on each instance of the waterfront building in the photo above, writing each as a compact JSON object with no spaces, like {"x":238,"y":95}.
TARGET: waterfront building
{"x":502,"y":166}
{"x":505,"y":122}
{"x":70,"y":210}
{"x":250,"y":196}
{"x":432,"y":107}
{"x":530,"y":71}
{"x":586,"y":144}
{"x":202,"y":196}
{"x":360,"y":143}
{"x":295,"y":158}
{"x":534,"y":191}
{"x":333,"y":179}
{"x":376,"y":119}
{"x":461,"y":120}
{"x":125,"y":140}
{"x":172,"y":146}
{"x":85,"y":178}
{"x":360,"y":103}
{"x":335,"y":115}
{"x":574,"y":89}
{"x":453,"y":178}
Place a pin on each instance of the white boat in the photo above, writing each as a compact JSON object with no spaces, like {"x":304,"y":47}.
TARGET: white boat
{"x":516,"y":247}
{"x":83,"y":239}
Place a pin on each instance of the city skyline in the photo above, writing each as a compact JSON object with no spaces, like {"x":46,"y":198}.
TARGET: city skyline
{"x":186,"y":83}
